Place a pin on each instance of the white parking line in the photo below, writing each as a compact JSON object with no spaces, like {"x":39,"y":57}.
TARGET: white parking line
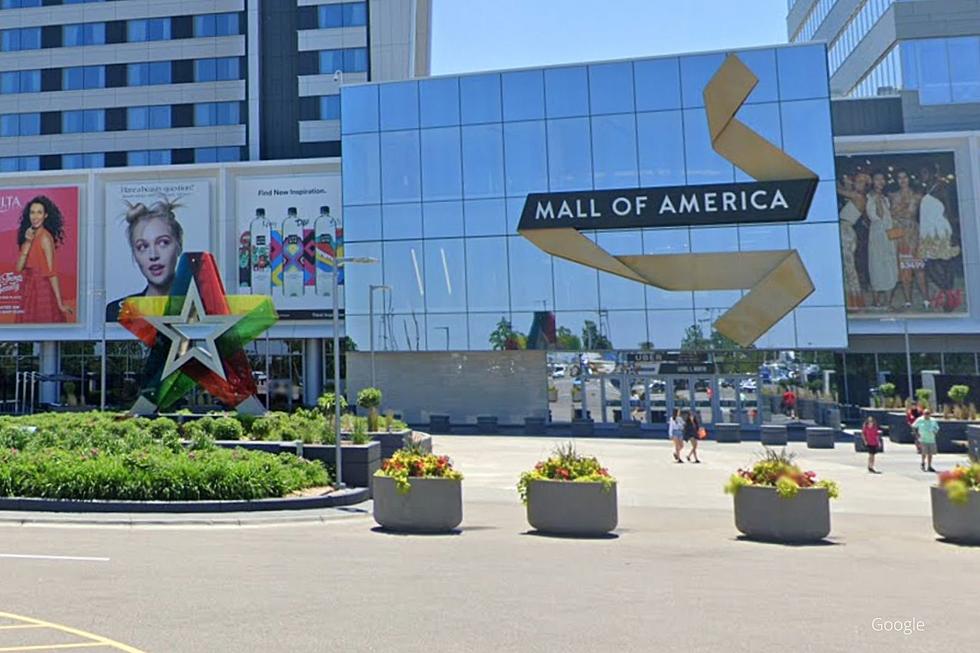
{"x":47,"y":557}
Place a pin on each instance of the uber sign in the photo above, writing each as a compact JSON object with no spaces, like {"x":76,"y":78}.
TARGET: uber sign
{"x":671,"y":206}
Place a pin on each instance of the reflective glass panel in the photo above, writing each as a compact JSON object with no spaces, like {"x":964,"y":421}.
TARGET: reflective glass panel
{"x":566,"y":92}
{"x":403,"y":270}
{"x":802,"y":72}
{"x":611,"y":88}
{"x":763,"y":119}
{"x":399,"y":106}
{"x":441,"y":163}
{"x":401,"y":221}
{"x":530,"y":276}
{"x":485,"y":217}
{"x":617,"y":292}
{"x":486,"y":274}
{"x":523,"y":95}
{"x":526,"y":148}
{"x":696,"y":72}
{"x":667,"y":328}
{"x":614,"y":151}
{"x":400,"y":167}
{"x":820,"y":326}
{"x":661,"y":148}
{"x":625,"y":329}
{"x":569,"y":154}
{"x":658,"y":84}
{"x":439,"y":102}
{"x":806,"y":124}
{"x":964,"y":68}
{"x":813,"y":241}
{"x":481,"y":325}
{"x":442,"y":219}
{"x":704,"y":165}
{"x":359,"y":278}
{"x":483,"y":161}
{"x":479,"y":99}
{"x":445,"y":278}
{"x":576,"y":286}
{"x":362,"y":223}
{"x":362,"y":169}
{"x":447,"y":332}
{"x":763,"y":64}
{"x":359,"y":106}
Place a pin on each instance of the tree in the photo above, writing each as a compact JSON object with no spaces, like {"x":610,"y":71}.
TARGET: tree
{"x":694,"y":339}
{"x":592,"y":338}
{"x":566,"y":340}
{"x":646,"y":345}
{"x":505,"y":337}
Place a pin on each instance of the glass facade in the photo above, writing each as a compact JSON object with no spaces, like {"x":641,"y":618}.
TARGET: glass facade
{"x":436,"y":173}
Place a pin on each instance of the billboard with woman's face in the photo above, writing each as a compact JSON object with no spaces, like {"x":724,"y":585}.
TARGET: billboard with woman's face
{"x":900,"y":233}
{"x":148,"y":225}
{"x":39,"y":264}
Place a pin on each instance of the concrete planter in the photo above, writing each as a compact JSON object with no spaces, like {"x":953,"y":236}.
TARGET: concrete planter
{"x":898,"y":427}
{"x":762,"y":514}
{"x":583,"y":426}
{"x":392,"y":442}
{"x":570,"y":508}
{"x":629,"y":428}
{"x":819,"y":437}
{"x":956,"y":522}
{"x":951,"y":436}
{"x":535,"y":426}
{"x":796,"y":431}
{"x":773,"y":435}
{"x":432,"y":505}
{"x":727,"y":432}
{"x":486,"y":424}
{"x":973,"y":441}
{"x":439,"y":424}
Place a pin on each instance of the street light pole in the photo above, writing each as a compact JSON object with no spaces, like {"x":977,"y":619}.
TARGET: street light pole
{"x":908,"y":357}
{"x":337,"y":262}
{"x":104,"y":354}
{"x":371,"y":290}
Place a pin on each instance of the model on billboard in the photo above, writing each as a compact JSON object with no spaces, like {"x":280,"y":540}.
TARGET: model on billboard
{"x":156,"y":241}
{"x":41,"y":231}
{"x":899,"y":233}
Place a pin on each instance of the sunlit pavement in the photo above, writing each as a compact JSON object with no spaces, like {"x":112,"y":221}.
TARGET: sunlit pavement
{"x":675,"y":579}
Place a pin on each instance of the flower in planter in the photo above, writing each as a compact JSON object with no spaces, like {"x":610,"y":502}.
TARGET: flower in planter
{"x":777,"y":469}
{"x":566,"y":464}
{"x":960,"y":481}
{"x":411,"y":462}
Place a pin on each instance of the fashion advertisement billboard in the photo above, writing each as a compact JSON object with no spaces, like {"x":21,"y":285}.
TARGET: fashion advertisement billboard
{"x":900,"y":234}
{"x":287,"y":238}
{"x":39,"y":259}
{"x":148,"y":225}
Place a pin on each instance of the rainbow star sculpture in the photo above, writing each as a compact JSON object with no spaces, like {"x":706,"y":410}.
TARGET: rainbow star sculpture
{"x":197,"y":336}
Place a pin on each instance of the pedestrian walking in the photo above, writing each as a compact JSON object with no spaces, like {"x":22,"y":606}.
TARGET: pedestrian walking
{"x":925,"y":429}
{"x":692,"y":428}
{"x":675,"y":431}
{"x":871,"y":434}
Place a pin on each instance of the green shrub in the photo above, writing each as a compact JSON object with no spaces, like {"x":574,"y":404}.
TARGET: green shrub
{"x":958,"y":393}
{"x":325,"y":404}
{"x":923,"y":395}
{"x":887,"y":389}
{"x":227,"y":428}
{"x":370,"y":399}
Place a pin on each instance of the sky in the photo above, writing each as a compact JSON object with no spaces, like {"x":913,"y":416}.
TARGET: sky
{"x":470,"y":35}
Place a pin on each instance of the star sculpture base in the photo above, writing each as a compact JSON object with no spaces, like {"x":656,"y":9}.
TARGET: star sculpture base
{"x":196,"y":337}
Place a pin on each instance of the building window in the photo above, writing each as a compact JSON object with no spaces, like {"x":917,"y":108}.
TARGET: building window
{"x":20,"y":163}
{"x":87,"y":160}
{"x":347,"y":14}
{"x":216,"y":113}
{"x":148,"y":29}
{"x":155,"y":117}
{"x":216,"y":25}
{"x":83,"y":34}
{"x":19,"y":4}
{"x":20,"y":81}
{"x":349,"y":60}
{"x":20,"y":124}
{"x":330,"y":107}
{"x":83,"y":77}
{"x":25,"y":38}
{"x":88,"y":120}
{"x":148,"y":74}
{"x":217,"y":154}
{"x":215,"y":70}
{"x":148,"y":158}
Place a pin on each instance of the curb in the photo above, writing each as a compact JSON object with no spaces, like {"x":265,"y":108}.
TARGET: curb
{"x":337,"y":499}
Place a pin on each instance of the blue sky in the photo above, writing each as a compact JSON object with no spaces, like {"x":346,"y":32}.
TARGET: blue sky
{"x":473,"y":35}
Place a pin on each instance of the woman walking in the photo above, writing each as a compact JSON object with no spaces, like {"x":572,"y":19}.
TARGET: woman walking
{"x":691,"y":427}
{"x":871,"y":435}
{"x":675,"y":431}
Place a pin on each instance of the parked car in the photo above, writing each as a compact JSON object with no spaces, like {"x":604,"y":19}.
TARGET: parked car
{"x":558,"y":372}
{"x":748,"y":385}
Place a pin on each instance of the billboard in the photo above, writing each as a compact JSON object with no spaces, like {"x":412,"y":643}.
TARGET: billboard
{"x":900,"y":234}
{"x":39,"y":255}
{"x":286,"y":241}
{"x":148,"y":225}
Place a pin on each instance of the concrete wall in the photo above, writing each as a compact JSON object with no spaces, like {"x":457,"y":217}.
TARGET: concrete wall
{"x":509,"y":384}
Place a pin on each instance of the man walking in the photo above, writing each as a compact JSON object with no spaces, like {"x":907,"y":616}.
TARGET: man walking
{"x":925,"y":429}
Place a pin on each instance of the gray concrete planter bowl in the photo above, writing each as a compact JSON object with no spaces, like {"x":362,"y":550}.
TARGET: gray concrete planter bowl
{"x":819,"y":437}
{"x":761,"y":514}
{"x":773,"y":435}
{"x":956,"y":522}
{"x":432,"y":505}
{"x":727,"y":432}
{"x":570,"y":508}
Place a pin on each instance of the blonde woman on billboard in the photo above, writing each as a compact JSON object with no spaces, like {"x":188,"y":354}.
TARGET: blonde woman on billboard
{"x":905,"y":214}
{"x":156,"y":241}
{"x":41,"y":231}
{"x":854,"y":190}
{"x":882,"y":251}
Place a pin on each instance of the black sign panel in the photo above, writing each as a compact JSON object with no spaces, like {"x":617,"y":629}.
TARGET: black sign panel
{"x":671,"y":206}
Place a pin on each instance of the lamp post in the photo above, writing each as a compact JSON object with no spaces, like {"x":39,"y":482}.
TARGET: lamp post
{"x":337,"y":262}
{"x":383,"y":288}
{"x":447,"y":334}
{"x":908,"y":351}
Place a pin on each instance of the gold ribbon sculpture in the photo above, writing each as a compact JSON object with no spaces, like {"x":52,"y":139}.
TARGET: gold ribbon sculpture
{"x":777,"y":281}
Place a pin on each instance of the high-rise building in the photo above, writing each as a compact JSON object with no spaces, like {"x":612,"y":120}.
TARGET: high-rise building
{"x":925,"y":52}
{"x":112,"y":83}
